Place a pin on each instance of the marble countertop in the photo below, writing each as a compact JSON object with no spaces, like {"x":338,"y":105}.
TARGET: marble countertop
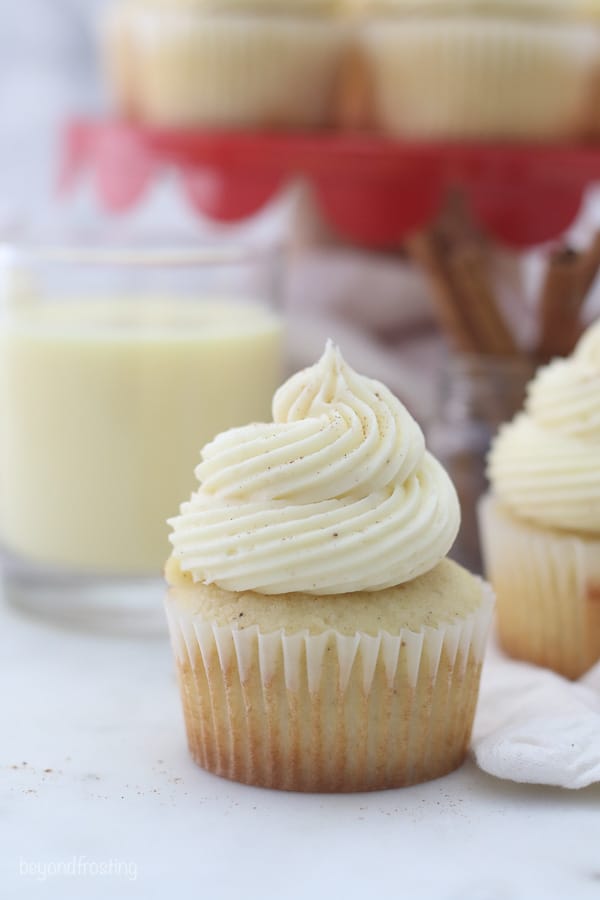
{"x":99,"y":799}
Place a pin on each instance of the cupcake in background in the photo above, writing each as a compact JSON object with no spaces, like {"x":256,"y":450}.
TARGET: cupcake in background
{"x":540,"y":524}
{"x":480,"y":69}
{"x":323,"y":641}
{"x":231,"y":63}
{"x":590,"y":9}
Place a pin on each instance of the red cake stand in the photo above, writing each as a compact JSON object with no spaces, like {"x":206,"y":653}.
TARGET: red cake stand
{"x":372,"y":190}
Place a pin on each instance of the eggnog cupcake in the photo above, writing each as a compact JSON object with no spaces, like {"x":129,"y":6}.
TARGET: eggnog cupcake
{"x":540,"y":524}
{"x":225,"y":63}
{"x":480,"y":69}
{"x":591,"y":10}
{"x":323,"y":642}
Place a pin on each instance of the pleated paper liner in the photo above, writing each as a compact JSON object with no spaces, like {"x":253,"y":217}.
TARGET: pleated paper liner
{"x":481,"y":77}
{"x":548,"y":591}
{"x":328,"y":712}
{"x":226,"y":69}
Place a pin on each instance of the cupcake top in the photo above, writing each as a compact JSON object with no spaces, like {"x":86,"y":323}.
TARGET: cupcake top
{"x":528,"y":9}
{"x":298,"y":7}
{"x":545,"y":464}
{"x":336,"y":495}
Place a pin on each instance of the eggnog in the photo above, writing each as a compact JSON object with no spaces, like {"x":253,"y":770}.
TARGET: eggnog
{"x":103,"y":406}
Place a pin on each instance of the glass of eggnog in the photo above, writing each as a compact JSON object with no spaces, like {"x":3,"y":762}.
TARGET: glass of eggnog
{"x":116,"y":366}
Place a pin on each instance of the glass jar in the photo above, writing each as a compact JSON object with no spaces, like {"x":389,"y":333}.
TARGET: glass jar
{"x":475,"y":395}
{"x":116,"y":367}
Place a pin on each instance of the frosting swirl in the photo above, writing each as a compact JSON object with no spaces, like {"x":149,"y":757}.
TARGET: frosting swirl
{"x":545,"y":464}
{"x":337,"y":494}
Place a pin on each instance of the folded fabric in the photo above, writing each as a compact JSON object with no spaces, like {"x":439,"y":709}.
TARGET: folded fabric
{"x":535,"y":726}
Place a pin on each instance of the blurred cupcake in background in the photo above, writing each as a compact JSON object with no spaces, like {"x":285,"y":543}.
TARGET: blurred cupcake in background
{"x":480,"y":69}
{"x":225,"y":63}
{"x":590,"y":9}
{"x":540,"y":524}
{"x":323,"y":641}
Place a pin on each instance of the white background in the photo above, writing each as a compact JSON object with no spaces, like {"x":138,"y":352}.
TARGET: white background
{"x":48,"y":70}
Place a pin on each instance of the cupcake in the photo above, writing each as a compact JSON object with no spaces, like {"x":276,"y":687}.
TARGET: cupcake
{"x":480,"y":69}
{"x":540,"y":523}
{"x":235,"y":63}
{"x":323,"y":641}
{"x":591,"y":119}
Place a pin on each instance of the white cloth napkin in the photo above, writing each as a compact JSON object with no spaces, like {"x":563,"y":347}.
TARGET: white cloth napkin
{"x":535,"y":726}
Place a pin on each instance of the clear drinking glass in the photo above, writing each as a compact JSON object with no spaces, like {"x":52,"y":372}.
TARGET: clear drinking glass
{"x":475,"y":395}
{"x":116,"y":366}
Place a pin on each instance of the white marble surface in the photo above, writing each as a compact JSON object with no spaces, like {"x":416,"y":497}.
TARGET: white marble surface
{"x":94,"y":771}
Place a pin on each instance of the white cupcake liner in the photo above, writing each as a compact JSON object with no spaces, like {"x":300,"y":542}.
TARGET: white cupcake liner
{"x":328,"y":712}
{"x":192,"y":68}
{"x":548,"y":591}
{"x":481,"y":77}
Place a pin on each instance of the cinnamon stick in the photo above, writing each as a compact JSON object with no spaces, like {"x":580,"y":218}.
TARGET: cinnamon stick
{"x":479,"y":304}
{"x":589,"y":263}
{"x":427,"y":249}
{"x":455,"y":224}
{"x":560,"y":303}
